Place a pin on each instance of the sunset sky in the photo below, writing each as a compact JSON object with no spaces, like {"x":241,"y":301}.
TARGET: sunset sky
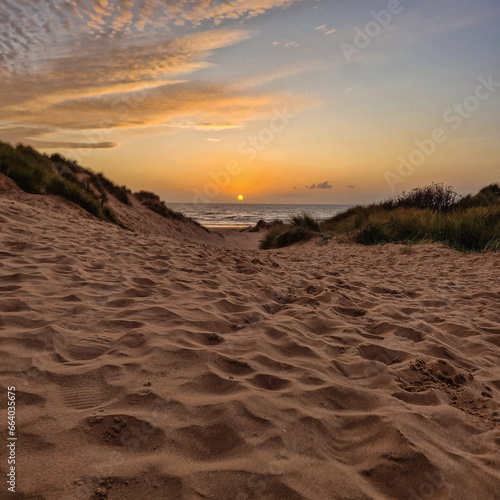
{"x":282,"y":101}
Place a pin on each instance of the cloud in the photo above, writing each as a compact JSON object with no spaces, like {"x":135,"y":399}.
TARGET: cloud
{"x":130,"y":66}
{"x":90,"y":68}
{"x":129,"y":86}
{"x":74,"y":145}
{"x":194,"y":105}
{"x":28,"y":28}
{"x":40,"y":137}
{"x":286,"y":44}
{"x":323,"y":29}
{"x":321,"y":185}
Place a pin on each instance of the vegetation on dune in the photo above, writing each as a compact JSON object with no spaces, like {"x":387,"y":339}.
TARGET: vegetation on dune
{"x":435,"y":197}
{"x":262,"y":225}
{"x":471,"y":229}
{"x":104,"y":185}
{"x":28,"y":169}
{"x":69,"y":169}
{"x":153,"y":202}
{"x":306,"y":222}
{"x":487,"y":197}
{"x":431,"y":214}
{"x":37,"y":173}
{"x":300,"y":229}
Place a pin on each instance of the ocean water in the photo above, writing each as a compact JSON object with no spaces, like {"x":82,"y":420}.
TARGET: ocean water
{"x":244,"y":214}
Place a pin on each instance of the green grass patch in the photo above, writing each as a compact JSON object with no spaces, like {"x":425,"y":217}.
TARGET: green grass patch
{"x":432,"y":214}
{"x":301,"y":228}
{"x":39,"y":174}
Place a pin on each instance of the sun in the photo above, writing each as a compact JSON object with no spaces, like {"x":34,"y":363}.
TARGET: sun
{"x":240,"y":197}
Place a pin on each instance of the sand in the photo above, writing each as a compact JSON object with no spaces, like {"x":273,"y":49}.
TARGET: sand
{"x":169,"y":363}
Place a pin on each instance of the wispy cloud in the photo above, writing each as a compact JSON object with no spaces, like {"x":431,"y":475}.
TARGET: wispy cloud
{"x":211,"y":106}
{"x":323,"y":29}
{"x":129,"y":85}
{"x":29,"y":27}
{"x":74,"y":145}
{"x":293,"y":44}
{"x":86,"y":65}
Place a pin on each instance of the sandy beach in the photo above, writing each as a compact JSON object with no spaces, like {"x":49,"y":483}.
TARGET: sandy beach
{"x":170,"y":363}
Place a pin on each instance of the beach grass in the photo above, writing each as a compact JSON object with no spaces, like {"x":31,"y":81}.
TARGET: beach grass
{"x":38,"y":173}
{"x":301,"y":228}
{"x":431,"y":214}
{"x":153,"y":202}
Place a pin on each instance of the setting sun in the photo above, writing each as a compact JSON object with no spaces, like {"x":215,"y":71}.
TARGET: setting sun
{"x":240,"y":197}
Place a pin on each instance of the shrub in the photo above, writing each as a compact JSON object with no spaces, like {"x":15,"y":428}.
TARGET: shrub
{"x":475,"y":229}
{"x":301,"y":228}
{"x":372,"y":234}
{"x":263,"y":225}
{"x":269,"y":240}
{"x":436,"y":197}
{"x":305,"y":221}
{"x":471,"y":223}
{"x":293,"y":235}
{"x":488,"y":196}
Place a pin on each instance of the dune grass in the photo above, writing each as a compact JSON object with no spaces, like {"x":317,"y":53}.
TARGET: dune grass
{"x":431,"y":214}
{"x":300,"y":229}
{"x":70,"y":170}
{"x":153,"y":202}
{"x":473,"y":229}
{"x":26,"y":167}
{"x":37,"y":173}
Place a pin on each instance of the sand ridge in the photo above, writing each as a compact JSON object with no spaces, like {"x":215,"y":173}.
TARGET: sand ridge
{"x":150,"y":366}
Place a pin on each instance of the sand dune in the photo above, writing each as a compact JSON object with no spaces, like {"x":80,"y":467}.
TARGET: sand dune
{"x":151,"y":366}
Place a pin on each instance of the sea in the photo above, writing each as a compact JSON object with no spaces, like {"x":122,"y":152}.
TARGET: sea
{"x":246,"y":214}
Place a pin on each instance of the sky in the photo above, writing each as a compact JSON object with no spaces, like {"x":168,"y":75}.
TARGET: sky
{"x":280,"y":101}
